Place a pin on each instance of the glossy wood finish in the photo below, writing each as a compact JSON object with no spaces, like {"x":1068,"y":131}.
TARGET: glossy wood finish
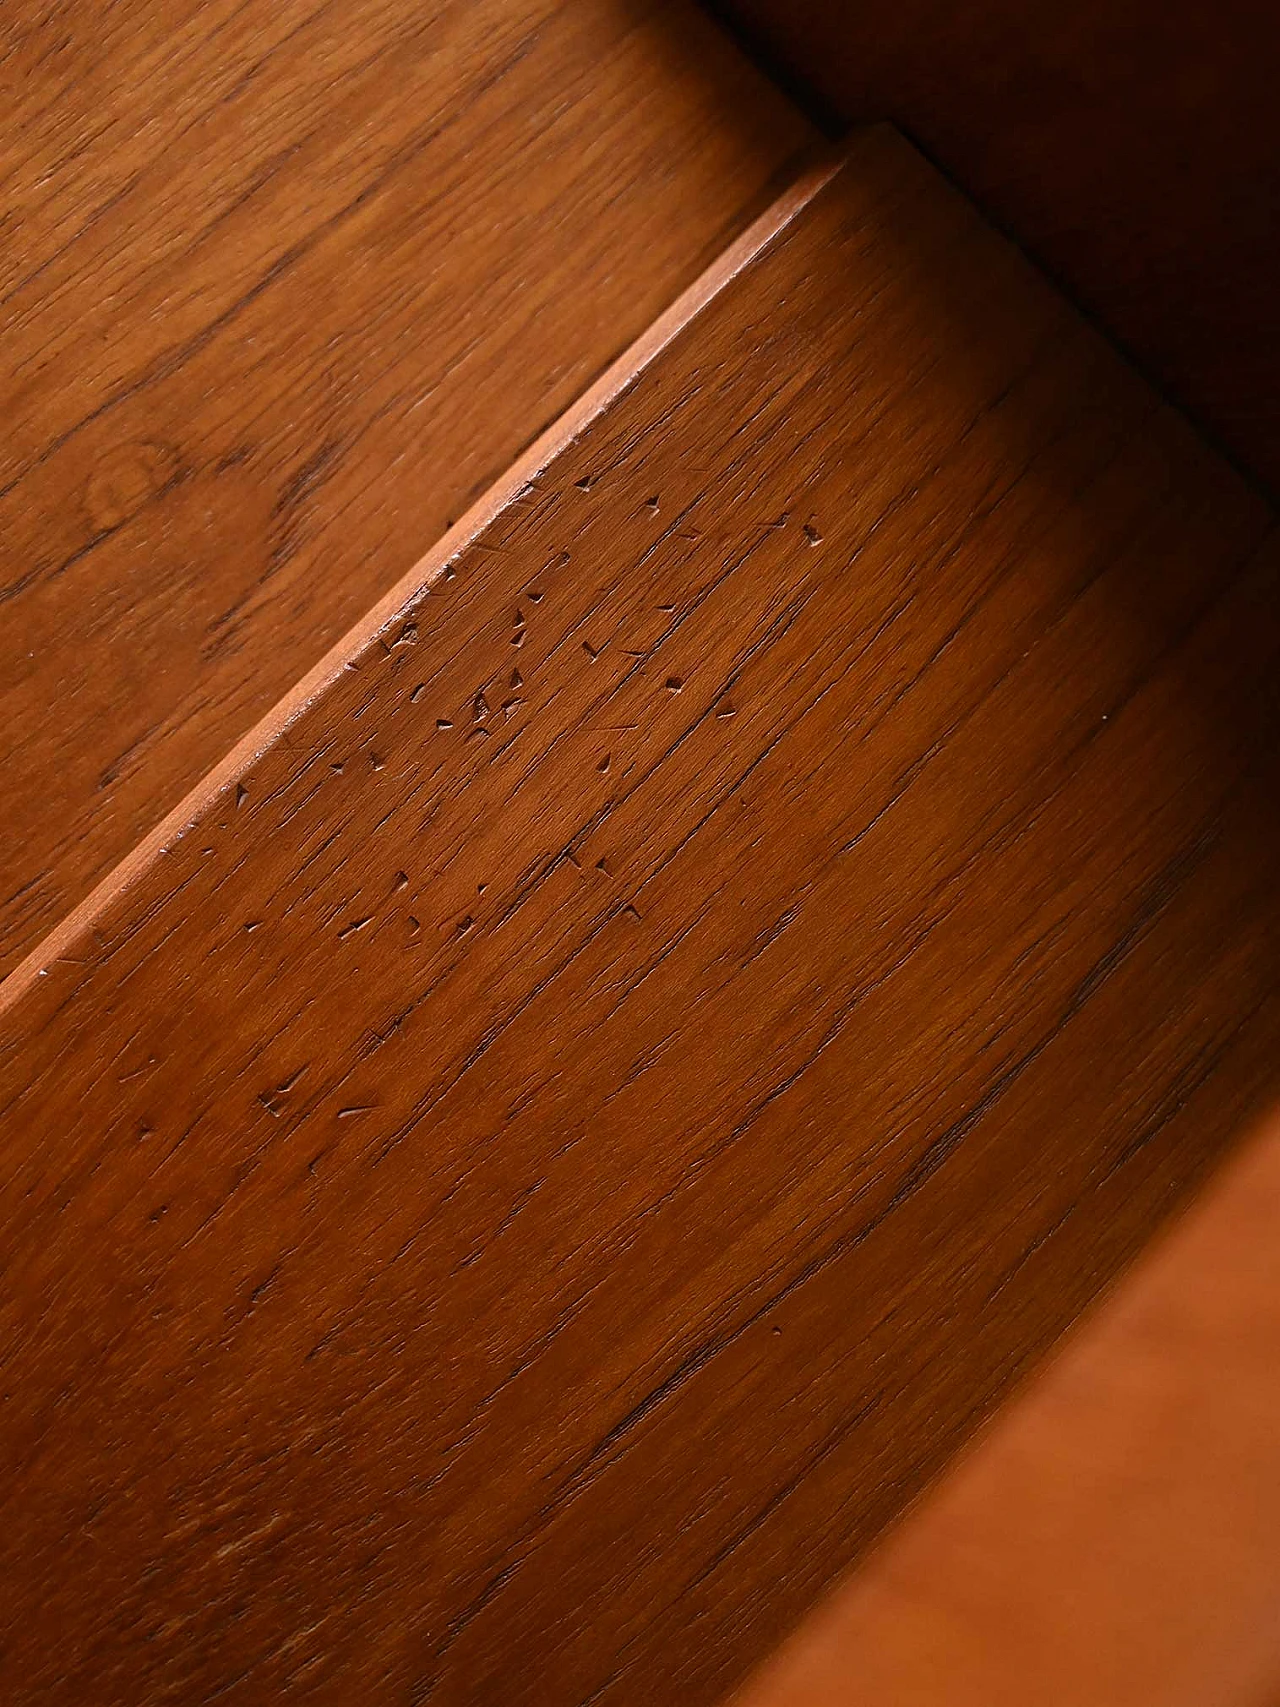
{"x":525,"y":1187}
{"x":1133,"y":148}
{"x":285,"y":285}
{"x":1116,"y":1537}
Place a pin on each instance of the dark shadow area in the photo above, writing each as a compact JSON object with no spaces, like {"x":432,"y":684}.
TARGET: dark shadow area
{"x":1134,"y":151}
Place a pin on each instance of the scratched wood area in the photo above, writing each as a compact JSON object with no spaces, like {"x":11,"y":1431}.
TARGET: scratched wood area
{"x":578,"y":1130}
{"x":284,"y":284}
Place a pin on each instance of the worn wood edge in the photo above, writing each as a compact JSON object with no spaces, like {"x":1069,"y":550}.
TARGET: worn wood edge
{"x":748,"y":247}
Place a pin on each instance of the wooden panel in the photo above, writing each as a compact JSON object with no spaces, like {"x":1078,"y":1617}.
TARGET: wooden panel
{"x":1135,"y":149}
{"x":285,"y":285}
{"x":615,"y":1080}
{"x":1116,"y":1537}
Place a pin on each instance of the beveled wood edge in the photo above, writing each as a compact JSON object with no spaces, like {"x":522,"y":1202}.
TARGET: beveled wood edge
{"x":746,"y":248}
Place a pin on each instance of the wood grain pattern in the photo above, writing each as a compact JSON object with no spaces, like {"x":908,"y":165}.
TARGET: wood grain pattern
{"x":1135,"y":150}
{"x":282,"y":287}
{"x":525,"y":1188}
{"x":1115,"y":1538}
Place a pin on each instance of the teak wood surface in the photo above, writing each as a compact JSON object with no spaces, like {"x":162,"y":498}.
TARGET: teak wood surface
{"x":628,"y":1065}
{"x":283,"y":286}
{"x":1115,"y":1537}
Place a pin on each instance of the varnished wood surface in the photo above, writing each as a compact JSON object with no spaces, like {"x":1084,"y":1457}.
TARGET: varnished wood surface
{"x":1116,"y":1537}
{"x":1133,"y":148}
{"x":283,"y":285}
{"x":523,"y":1190}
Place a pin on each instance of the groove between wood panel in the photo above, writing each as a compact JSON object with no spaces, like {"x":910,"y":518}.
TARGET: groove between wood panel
{"x":271,"y":728}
